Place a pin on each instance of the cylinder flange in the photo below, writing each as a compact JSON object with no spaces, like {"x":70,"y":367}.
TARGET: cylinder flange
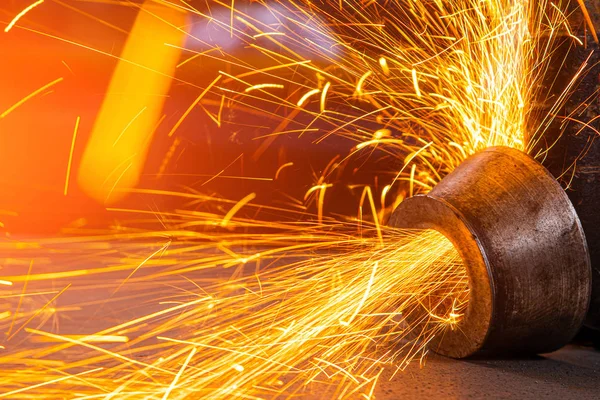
{"x":524,"y":250}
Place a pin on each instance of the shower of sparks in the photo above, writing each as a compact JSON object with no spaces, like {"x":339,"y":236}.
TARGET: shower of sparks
{"x":445,"y":79}
{"x":344,"y":309}
{"x":253,"y":308}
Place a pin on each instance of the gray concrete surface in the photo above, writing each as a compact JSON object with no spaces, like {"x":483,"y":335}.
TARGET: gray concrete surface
{"x":570,"y":373}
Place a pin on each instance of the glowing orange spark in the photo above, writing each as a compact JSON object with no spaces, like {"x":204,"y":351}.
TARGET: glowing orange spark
{"x":84,"y":343}
{"x":37,"y":312}
{"x":51,"y":382}
{"x":412,"y":179}
{"x":29,"y":96}
{"x":268,"y":34}
{"x":282,"y":167}
{"x":416,"y":82}
{"x":183,"y":367}
{"x":20,"y":301}
{"x":306,"y":96}
{"x":128,"y":125}
{"x":384,"y":66}
{"x":194,"y":104}
{"x":588,"y":20}
{"x":321,"y":198}
{"x":21,"y":14}
{"x":162,"y":249}
{"x":238,"y":368}
{"x":364,"y":298}
{"x":71,"y":156}
{"x":236,"y":208}
{"x":263,"y":86}
{"x":361,"y":82}
{"x":221,"y":104}
{"x":86,"y":338}
{"x":168,"y":157}
{"x":324,"y":95}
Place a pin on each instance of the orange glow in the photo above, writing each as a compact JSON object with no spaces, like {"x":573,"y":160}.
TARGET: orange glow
{"x":118,"y":145}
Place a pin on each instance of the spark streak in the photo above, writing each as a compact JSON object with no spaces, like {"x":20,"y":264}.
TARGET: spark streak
{"x":22,"y":14}
{"x":364,"y":298}
{"x":416,"y":82}
{"x":263,"y":86}
{"x":30,"y":96}
{"x":361,"y":82}
{"x":236,"y":208}
{"x":71,"y":156}
{"x":324,"y":96}
{"x":185,"y":363}
{"x":281,"y":168}
{"x":194,"y":104}
{"x":306,"y":96}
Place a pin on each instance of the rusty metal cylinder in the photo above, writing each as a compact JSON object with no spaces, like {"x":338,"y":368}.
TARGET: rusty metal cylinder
{"x":524,"y":250}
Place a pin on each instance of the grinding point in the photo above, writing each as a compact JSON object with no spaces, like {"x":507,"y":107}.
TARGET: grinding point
{"x":524,"y":250}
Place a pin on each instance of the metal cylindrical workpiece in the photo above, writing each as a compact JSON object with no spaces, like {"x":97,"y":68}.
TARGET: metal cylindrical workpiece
{"x":524,"y":250}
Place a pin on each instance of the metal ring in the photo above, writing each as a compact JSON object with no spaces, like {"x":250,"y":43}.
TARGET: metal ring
{"x":524,"y":250}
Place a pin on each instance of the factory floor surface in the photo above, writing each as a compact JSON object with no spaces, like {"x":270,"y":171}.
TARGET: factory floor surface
{"x":570,"y":373}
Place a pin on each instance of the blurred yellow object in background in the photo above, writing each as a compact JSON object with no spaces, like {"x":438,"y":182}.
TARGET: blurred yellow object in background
{"x":116,"y":152}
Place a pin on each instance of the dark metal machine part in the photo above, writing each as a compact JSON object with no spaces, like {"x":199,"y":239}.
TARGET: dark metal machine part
{"x":575,"y":157}
{"x":524,"y":250}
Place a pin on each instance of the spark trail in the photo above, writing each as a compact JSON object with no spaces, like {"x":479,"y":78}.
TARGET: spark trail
{"x":337,"y":313}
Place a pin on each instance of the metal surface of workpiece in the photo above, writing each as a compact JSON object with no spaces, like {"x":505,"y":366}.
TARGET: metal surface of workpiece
{"x":524,"y":250}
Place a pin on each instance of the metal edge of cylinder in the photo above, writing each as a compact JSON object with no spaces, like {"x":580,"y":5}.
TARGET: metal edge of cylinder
{"x":426,"y":212}
{"x":482,"y":326}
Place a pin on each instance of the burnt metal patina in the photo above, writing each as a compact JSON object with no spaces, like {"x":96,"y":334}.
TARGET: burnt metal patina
{"x":524,"y":250}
